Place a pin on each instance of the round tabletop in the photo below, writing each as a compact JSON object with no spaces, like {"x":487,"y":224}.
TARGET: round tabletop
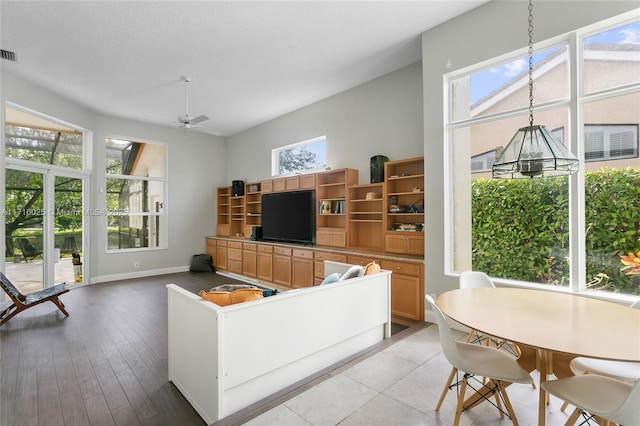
{"x":554,"y":321}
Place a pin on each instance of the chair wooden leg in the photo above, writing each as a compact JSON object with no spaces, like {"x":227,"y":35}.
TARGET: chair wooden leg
{"x":503,"y":391}
{"x":446,"y":388}
{"x":564,"y":406}
{"x":496,"y":394}
{"x":470,"y":336}
{"x":463,"y":388}
{"x":60,"y":306}
{"x":574,"y":417}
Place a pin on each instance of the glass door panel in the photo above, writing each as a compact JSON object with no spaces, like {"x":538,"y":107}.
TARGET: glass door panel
{"x":24,"y":213}
{"x":68,"y":236}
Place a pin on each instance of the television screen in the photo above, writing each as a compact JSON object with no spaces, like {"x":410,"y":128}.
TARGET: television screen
{"x":289,"y":216}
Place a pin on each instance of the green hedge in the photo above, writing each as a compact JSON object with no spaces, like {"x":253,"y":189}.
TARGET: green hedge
{"x":520,"y":228}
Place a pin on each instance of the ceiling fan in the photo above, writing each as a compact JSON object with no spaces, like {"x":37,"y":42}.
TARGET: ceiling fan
{"x":186,"y":121}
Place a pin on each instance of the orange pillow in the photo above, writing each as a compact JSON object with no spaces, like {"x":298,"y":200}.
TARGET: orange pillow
{"x":371,"y":268}
{"x":220,"y":298}
{"x":224,"y":298}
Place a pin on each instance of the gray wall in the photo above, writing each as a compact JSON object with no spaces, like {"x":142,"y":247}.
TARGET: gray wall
{"x":383,"y":116}
{"x":196,"y":166}
{"x":465,"y":41}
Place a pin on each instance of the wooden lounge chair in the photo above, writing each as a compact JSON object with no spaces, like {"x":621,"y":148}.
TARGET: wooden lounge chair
{"x":28,"y":250}
{"x":22,"y":302}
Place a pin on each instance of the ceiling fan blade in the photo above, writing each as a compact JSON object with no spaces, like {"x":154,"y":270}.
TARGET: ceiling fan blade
{"x":199,"y":119}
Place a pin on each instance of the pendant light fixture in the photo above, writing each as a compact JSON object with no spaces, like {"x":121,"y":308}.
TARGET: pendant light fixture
{"x":534,"y":151}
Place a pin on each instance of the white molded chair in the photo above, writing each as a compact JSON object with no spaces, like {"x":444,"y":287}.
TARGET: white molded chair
{"x":497,"y":366}
{"x":620,"y":370}
{"x":610,"y":399}
{"x":477,"y":279}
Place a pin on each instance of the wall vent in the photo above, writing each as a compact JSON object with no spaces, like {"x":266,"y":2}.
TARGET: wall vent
{"x":8,"y":55}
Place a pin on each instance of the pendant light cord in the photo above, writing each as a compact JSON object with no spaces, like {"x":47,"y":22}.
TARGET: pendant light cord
{"x":530,"y":64}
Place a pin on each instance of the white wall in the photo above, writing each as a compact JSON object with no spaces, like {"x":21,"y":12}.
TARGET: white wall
{"x":491,"y":30}
{"x":196,"y":166}
{"x":383,"y":116}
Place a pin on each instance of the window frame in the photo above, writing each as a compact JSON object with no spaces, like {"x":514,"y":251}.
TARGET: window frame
{"x":275,"y":156}
{"x":164,"y":214}
{"x":575,"y":105}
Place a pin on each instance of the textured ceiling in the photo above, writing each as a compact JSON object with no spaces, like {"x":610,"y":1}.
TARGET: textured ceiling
{"x":249,"y":61}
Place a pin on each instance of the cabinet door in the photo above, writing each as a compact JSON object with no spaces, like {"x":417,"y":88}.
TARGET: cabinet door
{"x":211,"y":248}
{"x":249,"y":263}
{"x":395,"y":243}
{"x":405,"y":297}
{"x":302,"y":272}
{"x":308,"y":181}
{"x":265,"y":266}
{"x":221,"y":256}
{"x":415,"y":245}
{"x":292,"y":183}
{"x":279,"y":184}
{"x":282,"y":270}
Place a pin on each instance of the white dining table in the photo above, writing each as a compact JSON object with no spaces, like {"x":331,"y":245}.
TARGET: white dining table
{"x":549,"y":321}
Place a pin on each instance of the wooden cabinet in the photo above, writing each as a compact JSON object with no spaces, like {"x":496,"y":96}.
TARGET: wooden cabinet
{"x":366,"y":230}
{"x":404,"y":205}
{"x":308,"y":181}
{"x":282,"y":265}
{"x":405,"y":244}
{"x":302,"y":268}
{"x":253,"y":207}
{"x":292,"y":266}
{"x":407,"y":288}
{"x":224,"y":211}
{"x":220,"y":260}
{"x":249,"y":260}
{"x":266,"y":186}
{"x":211,"y":248}
{"x":331,"y":197}
{"x":279,"y":184}
{"x":265,"y":262}
{"x":234,"y":257}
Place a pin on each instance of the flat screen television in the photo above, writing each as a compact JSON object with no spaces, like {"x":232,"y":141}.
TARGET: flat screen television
{"x":289,"y":216}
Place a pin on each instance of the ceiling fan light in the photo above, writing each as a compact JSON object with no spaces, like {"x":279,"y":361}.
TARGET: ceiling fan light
{"x":534,"y":152}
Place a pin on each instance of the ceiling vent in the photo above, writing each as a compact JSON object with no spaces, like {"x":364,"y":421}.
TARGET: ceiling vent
{"x":8,"y":55}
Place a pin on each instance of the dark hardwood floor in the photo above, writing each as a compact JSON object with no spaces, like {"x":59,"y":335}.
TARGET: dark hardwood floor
{"x":106,"y":364}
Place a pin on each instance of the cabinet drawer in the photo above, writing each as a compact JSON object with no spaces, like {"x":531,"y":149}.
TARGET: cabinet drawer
{"x":221,"y":243}
{"x":283,"y":251}
{"x":360,"y":260}
{"x":234,"y":254}
{"x":249,"y":246}
{"x":235,"y":244}
{"x":322,"y":256}
{"x":306,"y":254}
{"x":265,"y":249}
{"x":412,"y":269}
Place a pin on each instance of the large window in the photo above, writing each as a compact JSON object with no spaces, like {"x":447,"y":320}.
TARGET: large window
{"x":300,"y":157}
{"x":523,"y":230}
{"x":135,"y":196}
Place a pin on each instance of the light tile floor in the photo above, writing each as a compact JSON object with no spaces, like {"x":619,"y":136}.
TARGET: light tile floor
{"x":399,"y":385}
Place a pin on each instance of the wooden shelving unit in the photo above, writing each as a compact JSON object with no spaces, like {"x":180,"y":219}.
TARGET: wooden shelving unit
{"x":224,"y":211}
{"x":237,"y":216}
{"x":331,"y":191}
{"x":404,"y":206}
{"x":366,"y":219}
{"x":253,"y":207}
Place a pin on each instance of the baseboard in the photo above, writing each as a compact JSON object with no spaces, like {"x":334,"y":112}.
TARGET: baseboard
{"x":137,"y":274}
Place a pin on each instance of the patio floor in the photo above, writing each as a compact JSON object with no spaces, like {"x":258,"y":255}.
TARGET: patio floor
{"x":27,"y":276}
